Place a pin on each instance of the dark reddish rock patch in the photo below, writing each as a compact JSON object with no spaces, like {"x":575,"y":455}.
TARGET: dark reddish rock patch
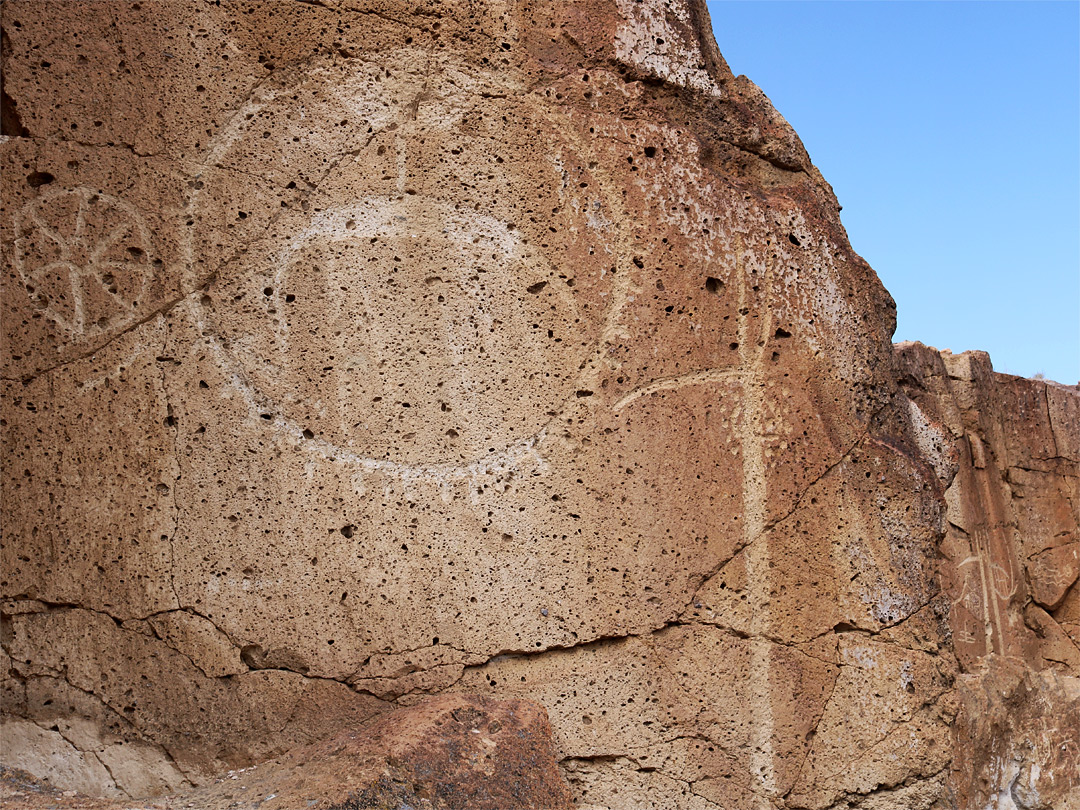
{"x":447,"y":753}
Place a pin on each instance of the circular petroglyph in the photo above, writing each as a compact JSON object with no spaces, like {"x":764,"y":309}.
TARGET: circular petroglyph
{"x":84,"y":258}
{"x":409,"y":331}
{"x":399,"y":310}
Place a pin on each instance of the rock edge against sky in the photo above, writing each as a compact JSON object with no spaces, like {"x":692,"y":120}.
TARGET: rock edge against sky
{"x":362,"y":355}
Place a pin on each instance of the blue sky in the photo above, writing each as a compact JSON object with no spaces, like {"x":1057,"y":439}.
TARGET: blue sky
{"x":950,"y":132}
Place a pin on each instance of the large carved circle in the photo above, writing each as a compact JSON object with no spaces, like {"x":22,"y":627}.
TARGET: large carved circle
{"x":401,"y":307}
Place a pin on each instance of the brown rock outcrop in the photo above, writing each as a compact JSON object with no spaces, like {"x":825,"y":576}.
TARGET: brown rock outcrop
{"x":1012,"y":561}
{"x":356,"y":352}
{"x":453,"y":752}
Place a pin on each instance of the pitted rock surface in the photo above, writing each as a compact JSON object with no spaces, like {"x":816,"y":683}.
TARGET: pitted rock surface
{"x":358,"y":352}
{"x":1012,"y":561}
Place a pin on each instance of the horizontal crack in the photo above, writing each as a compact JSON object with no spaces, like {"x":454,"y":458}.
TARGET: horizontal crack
{"x":591,"y":643}
{"x":162,"y":310}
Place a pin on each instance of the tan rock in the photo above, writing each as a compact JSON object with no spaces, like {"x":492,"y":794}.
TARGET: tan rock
{"x":358,"y":352}
{"x":1026,"y":724}
{"x":141,"y":685}
{"x":47,"y":754}
{"x":198,"y":639}
{"x":1011,"y":576}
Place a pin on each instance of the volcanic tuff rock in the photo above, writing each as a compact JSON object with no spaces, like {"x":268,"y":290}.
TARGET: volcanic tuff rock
{"x":359,"y":351}
{"x":1012,"y":559}
{"x":452,"y":752}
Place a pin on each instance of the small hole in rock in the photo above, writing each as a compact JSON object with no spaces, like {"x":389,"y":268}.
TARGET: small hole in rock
{"x":36,"y":179}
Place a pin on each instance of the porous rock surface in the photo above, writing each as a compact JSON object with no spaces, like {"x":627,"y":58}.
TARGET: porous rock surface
{"x":357,"y":352}
{"x":1011,"y":560}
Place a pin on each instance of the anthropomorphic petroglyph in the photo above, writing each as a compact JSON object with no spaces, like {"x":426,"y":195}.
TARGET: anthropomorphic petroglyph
{"x":487,"y":347}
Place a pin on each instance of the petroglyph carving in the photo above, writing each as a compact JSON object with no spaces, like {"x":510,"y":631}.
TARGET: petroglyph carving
{"x":459,"y":419}
{"x":85,"y":260}
{"x":354,"y":264}
{"x":510,"y":349}
{"x":1002,"y":582}
{"x":965,"y":635}
{"x":712,"y":375}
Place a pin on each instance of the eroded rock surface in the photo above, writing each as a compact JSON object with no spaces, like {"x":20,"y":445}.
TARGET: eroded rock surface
{"x":357,"y":352}
{"x":1012,"y":561}
{"x":453,"y":752}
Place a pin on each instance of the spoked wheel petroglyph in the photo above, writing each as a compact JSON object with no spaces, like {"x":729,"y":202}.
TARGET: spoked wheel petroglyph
{"x":84,"y":258}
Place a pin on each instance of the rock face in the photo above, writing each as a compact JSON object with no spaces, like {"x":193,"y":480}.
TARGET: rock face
{"x":356,"y":352}
{"x":1011,"y":563}
{"x":452,"y":752}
